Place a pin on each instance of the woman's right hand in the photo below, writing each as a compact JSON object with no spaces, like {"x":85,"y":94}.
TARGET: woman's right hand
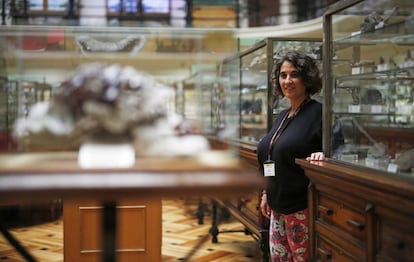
{"x":264,"y":208}
{"x":318,"y":156}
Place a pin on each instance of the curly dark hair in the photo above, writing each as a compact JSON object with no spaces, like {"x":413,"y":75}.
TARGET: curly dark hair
{"x":307,"y":68}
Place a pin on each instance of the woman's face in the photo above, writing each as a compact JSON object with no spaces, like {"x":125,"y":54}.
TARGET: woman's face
{"x":291,"y":82}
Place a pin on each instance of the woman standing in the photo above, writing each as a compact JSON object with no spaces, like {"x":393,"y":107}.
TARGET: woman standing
{"x":296,"y":133}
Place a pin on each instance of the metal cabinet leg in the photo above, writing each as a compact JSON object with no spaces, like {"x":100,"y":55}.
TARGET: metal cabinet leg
{"x":200,"y":212}
{"x":13,"y":241}
{"x":214,"y":225}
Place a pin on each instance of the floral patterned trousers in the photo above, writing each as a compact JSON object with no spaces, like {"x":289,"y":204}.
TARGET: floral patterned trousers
{"x":288,"y":236}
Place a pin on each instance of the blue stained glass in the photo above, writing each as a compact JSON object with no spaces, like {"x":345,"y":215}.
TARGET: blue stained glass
{"x":130,"y":6}
{"x":154,"y":6}
{"x":58,"y":5}
{"x":113,"y":5}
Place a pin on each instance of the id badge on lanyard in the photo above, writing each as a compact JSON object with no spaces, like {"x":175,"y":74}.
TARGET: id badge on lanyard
{"x":269,"y":168}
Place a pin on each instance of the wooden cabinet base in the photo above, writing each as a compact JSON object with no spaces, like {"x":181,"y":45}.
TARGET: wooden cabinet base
{"x":358,"y":214}
{"x":138,"y":230}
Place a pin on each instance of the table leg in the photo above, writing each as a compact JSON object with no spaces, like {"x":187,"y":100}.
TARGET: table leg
{"x":109,"y":232}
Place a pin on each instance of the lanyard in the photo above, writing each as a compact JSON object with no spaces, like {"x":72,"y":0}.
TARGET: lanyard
{"x":279,"y":130}
{"x":277,"y":134}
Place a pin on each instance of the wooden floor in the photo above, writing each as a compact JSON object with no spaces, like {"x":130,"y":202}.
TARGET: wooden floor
{"x":184,"y":239}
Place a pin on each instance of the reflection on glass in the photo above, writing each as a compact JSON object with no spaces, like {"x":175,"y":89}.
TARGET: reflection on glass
{"x":155,"y":6}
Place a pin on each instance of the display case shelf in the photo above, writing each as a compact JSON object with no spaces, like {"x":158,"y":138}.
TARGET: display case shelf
{"x":398,"y":74}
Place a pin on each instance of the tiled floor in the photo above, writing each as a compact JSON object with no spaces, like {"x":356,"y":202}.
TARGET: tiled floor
{"x":183,"y":238}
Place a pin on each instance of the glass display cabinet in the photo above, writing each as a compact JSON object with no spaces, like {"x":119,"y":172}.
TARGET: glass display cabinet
{"x":253,"y":93}
{"x":38,"y":61}
{"x":369,"y":92}
{"x":200,"y":97}
{"x":229,"y":80}
{"x":361,"y":198}
{"x":39,"y":58}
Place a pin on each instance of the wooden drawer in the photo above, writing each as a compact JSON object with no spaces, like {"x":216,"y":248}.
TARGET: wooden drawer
{"x":343,"y":242}
{"x":364,"y":214}
{"x":395,"y":238}
{"x":343,"y":216}
{"x":328,"y":251}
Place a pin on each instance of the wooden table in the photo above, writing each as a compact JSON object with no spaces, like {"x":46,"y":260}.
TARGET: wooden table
{"x":42,"y":176}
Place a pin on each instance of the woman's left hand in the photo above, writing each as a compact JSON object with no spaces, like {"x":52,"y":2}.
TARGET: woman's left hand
{"x":316,"y":156}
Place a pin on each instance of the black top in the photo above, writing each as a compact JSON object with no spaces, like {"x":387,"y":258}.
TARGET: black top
{"x":301,"y":135}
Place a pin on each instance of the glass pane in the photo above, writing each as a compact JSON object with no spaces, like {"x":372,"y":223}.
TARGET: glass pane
{"x":228,"y":106}
{"x":167,"y":55}
{"x":254,"y":94}
{"x":313,"y":48}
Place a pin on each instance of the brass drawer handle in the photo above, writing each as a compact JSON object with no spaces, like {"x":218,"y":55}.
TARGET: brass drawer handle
{"x":399,"y":244}
{"x":328,"y":211}
{"x":326,"y":254}
{"x":355,"y":224}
